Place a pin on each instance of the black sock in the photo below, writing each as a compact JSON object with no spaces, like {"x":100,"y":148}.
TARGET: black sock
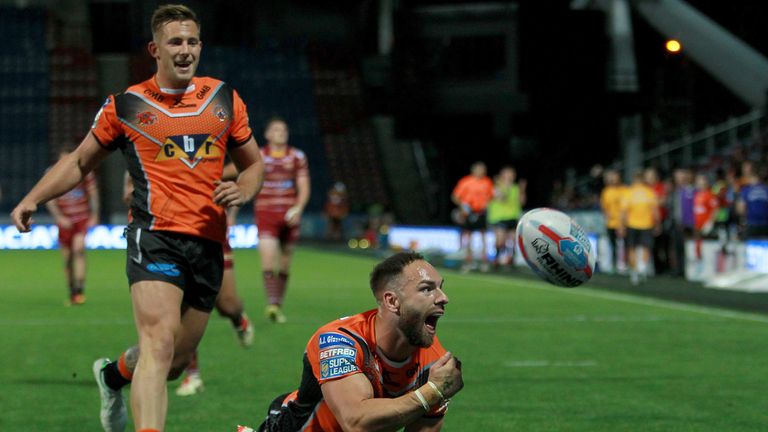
{"x":112,"y":377}
{"x":237,"y":323}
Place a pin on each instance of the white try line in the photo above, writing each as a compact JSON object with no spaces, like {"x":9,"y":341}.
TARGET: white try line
{"x":625,"y":298}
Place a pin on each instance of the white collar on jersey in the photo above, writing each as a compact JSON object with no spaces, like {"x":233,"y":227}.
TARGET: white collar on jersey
{"x":392,"y":362}
{"x":189,"y":89}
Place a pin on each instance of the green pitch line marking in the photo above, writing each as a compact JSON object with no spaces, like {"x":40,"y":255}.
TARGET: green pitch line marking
{"x":623,"y":298}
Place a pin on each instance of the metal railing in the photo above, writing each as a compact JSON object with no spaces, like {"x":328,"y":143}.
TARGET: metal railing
{"x":691,"y":149}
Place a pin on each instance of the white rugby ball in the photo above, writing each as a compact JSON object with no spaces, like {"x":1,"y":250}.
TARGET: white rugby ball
{"x":556,"y":247}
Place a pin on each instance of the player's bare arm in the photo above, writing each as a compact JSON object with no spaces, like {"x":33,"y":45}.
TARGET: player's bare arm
{"x":127,"y":189}
{"x":249,"y":163}
{"x":302,"y":190}
{"x":353,"y":404}
{"x":230,"y":172}
{"x":95,"y":204}
{"x":65,"y":175}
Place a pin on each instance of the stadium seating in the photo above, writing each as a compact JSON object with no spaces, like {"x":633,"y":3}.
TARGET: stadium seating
{"x":349,"y":141}
{"x":74,"y":96}
{"x":274,"y":80}
{"x":23,"y":101}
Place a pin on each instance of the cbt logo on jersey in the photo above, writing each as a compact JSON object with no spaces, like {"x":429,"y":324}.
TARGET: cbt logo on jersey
{"x":190,"y":149}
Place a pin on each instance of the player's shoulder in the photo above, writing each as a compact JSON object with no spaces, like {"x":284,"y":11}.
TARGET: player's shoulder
{"x":205,"y":84}
{"x":210,"y":83}
{"x":350,"y":330}
{"x":297,"y":153}
{"x":145,"y":87}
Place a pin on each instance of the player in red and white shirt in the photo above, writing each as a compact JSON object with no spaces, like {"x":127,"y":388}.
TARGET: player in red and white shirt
{"x":277,"y":211}
{"x":74,"y":212}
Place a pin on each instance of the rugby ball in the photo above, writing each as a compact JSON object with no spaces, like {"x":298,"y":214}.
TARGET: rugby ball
{"x":555,"y":247}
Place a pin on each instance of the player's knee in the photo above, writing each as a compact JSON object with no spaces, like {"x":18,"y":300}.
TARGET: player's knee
{"x":159,"y":344}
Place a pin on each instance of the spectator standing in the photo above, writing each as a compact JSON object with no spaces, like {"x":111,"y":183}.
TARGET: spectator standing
{"x":705,"y":206}
{"x":640,"y":218}
{"x":753,"y":207}
{"x":660,"y":250}
{"x":472,"y":195}
{"x":504,"y":212}
{"x":611,"y":201}
{"x":681,"y":212}
{"x":337,"y":209}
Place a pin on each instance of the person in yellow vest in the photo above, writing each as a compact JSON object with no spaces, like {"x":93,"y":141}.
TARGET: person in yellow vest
{"x":611,"y":201}
{"x":640,"y":220}
{"x":504,"y":212}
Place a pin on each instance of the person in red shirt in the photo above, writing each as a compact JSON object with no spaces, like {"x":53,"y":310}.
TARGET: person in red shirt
{"x":660,"y":250}
{"x":173,"y":130}
{"x":472,"y":195}
{"x":278,"y":210}
{"x":705,"y":206}
{"x":75,"y":212}
{"x":336,"y":209}
{"x":383,"y":369}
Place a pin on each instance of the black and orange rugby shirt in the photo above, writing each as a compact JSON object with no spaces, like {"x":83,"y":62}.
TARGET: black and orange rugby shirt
{"x":174,"y":143}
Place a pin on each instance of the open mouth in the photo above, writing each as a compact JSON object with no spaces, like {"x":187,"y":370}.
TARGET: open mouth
{"x":183,"y":66}
{"x":431,"y":322}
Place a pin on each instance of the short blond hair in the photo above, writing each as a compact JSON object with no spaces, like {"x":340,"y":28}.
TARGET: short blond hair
{"x":170,"y":13}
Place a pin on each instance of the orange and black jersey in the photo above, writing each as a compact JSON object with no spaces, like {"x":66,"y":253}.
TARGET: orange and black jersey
{"x":338,"y":350}
{"x":174,"y":143}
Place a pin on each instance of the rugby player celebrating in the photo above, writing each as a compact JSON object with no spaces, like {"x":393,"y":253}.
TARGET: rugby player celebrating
{"x":379,"y":370}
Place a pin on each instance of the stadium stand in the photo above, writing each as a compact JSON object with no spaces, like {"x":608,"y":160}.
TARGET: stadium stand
{"x":274,"y":79}
{"x":24,"y":90}
{"x":74,"y":96}
{"x":348,"y":136}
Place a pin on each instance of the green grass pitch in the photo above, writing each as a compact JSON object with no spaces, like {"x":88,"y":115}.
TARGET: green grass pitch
{"x":536,"y":358}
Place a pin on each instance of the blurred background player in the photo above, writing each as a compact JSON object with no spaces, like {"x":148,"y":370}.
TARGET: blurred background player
{"x":640,"y":219}
{"x":504,"y":212}
{"x":472,"y":195}
{"x":336,"y":209}
{"x":278,"y":210}
{"x":383,"y":369}
{"x":75,"y":212}
{"x":229,"y":304}
{"x":611,"y":204}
